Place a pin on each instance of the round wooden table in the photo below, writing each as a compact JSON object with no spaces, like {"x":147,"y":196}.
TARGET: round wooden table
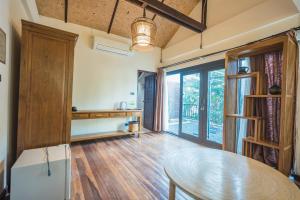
{"x":205,"y":173}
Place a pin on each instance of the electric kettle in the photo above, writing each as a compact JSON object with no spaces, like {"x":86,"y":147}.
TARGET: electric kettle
{"x":123,"y":105}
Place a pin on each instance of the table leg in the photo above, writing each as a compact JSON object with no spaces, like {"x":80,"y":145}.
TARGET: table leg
{"x":140,"y":119}
{"x":172,"y":191}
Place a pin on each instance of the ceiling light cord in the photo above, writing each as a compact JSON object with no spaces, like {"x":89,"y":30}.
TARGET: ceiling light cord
{"x":144,"y":12}
{"x":201,"y":41}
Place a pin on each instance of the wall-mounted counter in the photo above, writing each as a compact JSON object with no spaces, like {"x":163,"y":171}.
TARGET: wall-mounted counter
{"x":98,"y":114}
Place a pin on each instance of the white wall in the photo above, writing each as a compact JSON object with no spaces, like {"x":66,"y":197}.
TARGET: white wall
{"x":4,"y":71}
{"x":102,"y":80}
{"x":11,"y":12}
{"x":260,"y":21}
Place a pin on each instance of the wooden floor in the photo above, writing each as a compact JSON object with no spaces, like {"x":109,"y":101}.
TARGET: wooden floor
{"x":127,"y":168}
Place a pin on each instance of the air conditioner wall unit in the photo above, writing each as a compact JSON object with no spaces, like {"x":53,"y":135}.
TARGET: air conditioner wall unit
{"x":112,"y":46}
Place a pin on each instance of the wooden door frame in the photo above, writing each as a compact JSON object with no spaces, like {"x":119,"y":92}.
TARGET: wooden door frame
{"x":150,"y":73}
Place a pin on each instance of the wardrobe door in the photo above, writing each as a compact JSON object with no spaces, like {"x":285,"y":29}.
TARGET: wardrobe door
{"x":45,"y":90}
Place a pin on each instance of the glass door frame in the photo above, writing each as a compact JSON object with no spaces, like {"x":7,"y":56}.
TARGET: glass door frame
{"x":180,"y":133}
{"x":203,"y":69}
{"x":204,"y":132}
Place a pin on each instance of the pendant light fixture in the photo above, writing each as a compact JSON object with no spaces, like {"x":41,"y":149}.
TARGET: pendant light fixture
{"x":143,"y":32}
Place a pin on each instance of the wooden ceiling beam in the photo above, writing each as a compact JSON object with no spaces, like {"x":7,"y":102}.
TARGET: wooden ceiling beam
{"x":171,"y":14}
{"x":113,"y":16}
{"x":154,"y":16}
{"x":204,"y":12}
{"x":66,"y":10}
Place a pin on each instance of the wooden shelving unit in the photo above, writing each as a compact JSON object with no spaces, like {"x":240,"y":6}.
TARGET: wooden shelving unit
{"x":243,"y":117}
{"x":263,"y":96}
{"x":256,"y":134}
{"x":248,"y":145}
{"x":263,"y":143}
{"x":246,"y":75}
{"x":252,"y":75}
{"x":257,"y":123}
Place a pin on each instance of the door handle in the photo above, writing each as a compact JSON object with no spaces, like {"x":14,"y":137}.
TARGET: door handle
{"x":202,"y":104}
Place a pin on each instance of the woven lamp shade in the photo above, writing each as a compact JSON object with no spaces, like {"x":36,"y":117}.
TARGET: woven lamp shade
{"x":143,"y":31}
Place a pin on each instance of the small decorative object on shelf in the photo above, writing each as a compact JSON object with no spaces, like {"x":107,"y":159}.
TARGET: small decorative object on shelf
{"x":243,"y":70}
{"x":74,"y":109}
{"x":275,"y":89}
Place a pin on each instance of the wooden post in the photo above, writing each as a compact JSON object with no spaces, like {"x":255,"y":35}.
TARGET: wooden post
{"x":172,"y":191}
{"x":243,"y":147}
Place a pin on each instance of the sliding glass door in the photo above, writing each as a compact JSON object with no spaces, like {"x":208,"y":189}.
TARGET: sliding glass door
{"x":195,"y":103}
{"x":215,"y":106}
{"x":190,"y":100}
{"x":173,"y":103}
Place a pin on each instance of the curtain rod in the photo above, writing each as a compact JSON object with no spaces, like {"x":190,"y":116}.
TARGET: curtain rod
{"x":214,"y":53}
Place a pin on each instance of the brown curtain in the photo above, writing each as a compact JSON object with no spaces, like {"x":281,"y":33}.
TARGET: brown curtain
{"x":270,"y":67}
{"x":257,"y":64}
{"x":158,"y":117}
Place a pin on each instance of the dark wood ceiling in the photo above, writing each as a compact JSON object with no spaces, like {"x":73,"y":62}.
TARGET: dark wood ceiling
{"x":97,"y":14}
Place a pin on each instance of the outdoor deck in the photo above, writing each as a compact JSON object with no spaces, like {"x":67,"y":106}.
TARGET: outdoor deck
{"x":191,"y":126}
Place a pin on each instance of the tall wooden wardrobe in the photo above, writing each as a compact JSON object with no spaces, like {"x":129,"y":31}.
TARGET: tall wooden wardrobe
{"x":45,"y":93}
